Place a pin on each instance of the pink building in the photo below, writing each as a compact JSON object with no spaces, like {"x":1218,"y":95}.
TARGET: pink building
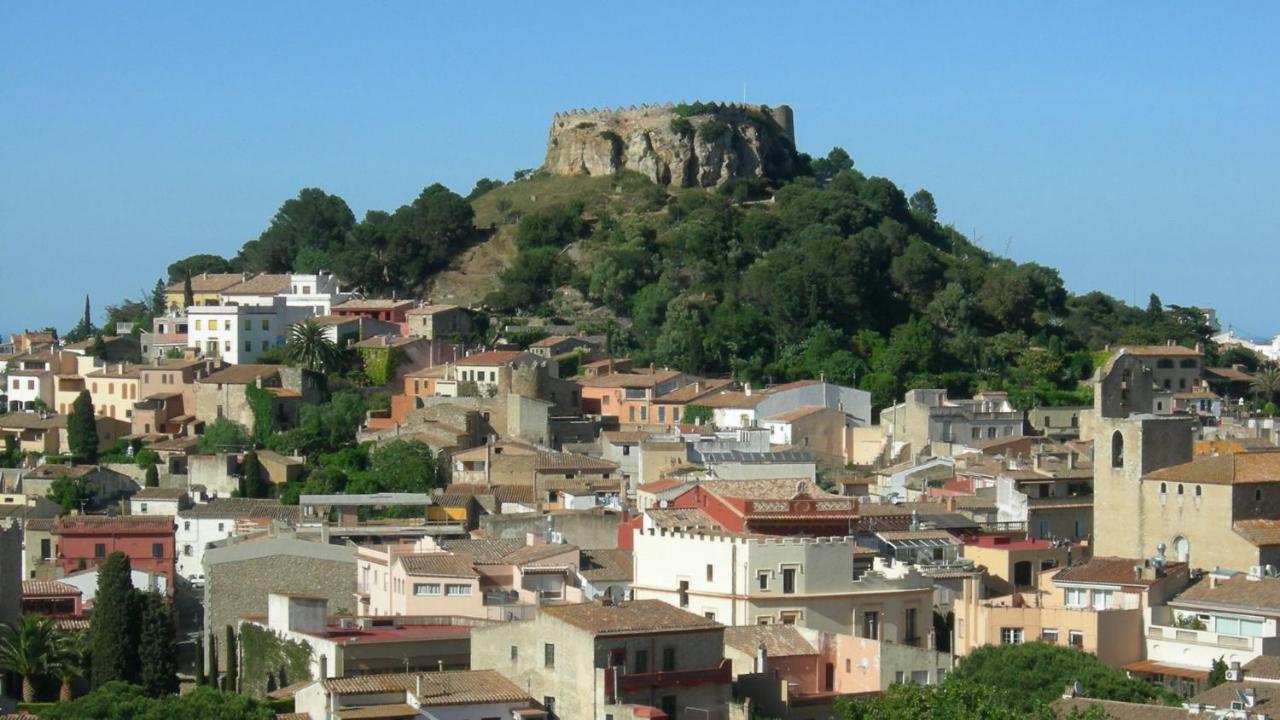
{"x":85,"y":541}
{"x":485,"y":578}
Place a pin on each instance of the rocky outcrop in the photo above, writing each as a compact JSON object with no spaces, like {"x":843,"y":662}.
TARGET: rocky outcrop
{"x":684,"y":146}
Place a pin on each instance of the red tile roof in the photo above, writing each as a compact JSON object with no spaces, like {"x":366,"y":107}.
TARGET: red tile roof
{"x":639,"y":616}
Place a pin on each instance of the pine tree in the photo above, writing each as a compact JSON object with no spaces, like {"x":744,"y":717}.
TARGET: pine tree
{"x":82,"y":430}
{"x":157,"y":649}
{"x":152,"y":476}
{"x":113,"y":630}
{"x":251,"y":482}
{"x":233,"y":662}
{"x":157,"y":298}
{"x":188,"y":295}
{"x":99,"y":349}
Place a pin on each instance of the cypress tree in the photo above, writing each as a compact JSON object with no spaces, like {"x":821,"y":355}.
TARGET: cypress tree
{"x":113,"y":630}
{"x":213,"y":661}
{"x":152,"y":476}
{"x":233,"y":662}
{"x":157,"y":298}
{"x":88,"y":322}
{"x":199,"y":661}
{"x":82,"y":430}
{"x":157,"y":648}
{"x":251,"y":482}
{"x":188,"y":295}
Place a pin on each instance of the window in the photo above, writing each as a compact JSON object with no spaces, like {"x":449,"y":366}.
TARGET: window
{"x":710,"y":615}
{"x":226,"y":345}
{"x":711,"y":572}
{"x":684,"y":593}
{"x":186,"y":550}
{"x":1164,"y":488}
{"x":1075,"y":639}
{"x":789,"y":618}
{"x":871,"y":625}
{"x":640,"y":661}
{"x":1077,"y":598}
{"x":266,"y":324}
{"x":515,"y":653}
{"x":604,"y":400}
{"x":668,"y":659}
{"x":426,"y":588}
{"x":976,"y":433}
{"x":762,"y":579}
{"x":99,"y":550}
{"x":1049,"y":635}
{"x":220,"y":527}
{"x":1197,"y":491}
{"x":144,"y":508}
{"x":549,"y":703}
{"x":788,"y":581}
{"x":548,"y":655}
{"x":1179,"y":488}
{"x":46,"y":549}
{"x":1117,"y":450}
{"x":248,"y":324}
{"x":911,"y":638}
{"x":198,"y":324}
{"x":662,"y":414}
{"x":1010,"y":636}
{"x":157,"y":550}
{"x":898,"y":677}
{"x":453,"y":590}
{"x":186,"y":524}
{"x":991,"y":431}
{"x":248,"y":346}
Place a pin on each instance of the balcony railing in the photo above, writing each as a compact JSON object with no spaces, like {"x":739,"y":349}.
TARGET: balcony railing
{"x":631,"y":682}
{"x":1200,"y":637}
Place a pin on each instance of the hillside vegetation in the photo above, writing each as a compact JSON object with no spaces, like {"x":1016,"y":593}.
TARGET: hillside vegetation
{"x":831,"y":274}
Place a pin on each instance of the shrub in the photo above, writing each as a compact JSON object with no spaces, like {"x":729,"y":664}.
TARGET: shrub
{"x":712,"y":130}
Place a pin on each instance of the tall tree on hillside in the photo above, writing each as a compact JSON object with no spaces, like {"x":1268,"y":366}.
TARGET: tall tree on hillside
{"x":157,"y":298}
{"x":88,"y":318}
{"x":309,"y":345}
{"x":113,"y":627}
{"x":923,"y":205}
{"x":157,"y":649}
{"x":315,"y":220}
{"x":82,"y":430}
{"x":152,"y":476}
{"x":27,"y":649}
{"x":188,"y":295}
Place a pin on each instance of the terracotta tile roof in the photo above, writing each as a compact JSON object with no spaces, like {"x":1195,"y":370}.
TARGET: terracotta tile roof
{"x":59,"y":471}
{"x":450,"y":687}
{"x":292,"y":716}
{"x":766,"y":489}
{"x":630,"y":379}
{"x":881,"y":509}
{"x":48,"y":588}
{"x":32,"y":421}
{"x":1116,"y":710}
{"x":503,"y":493}
{"x":607,"y":565}
{"x":892,"y":535}
{"x":735,"y":399}
{"x":483,"y":550}
{"x":682,"y":518}
{"x":1256,"y":466}
{"x":207,"y":283}
{"x":1262,"y":533}
{"x":1263,"y":666}
{"x":694,"y":390}
{"x":639,"y":616}
{"x":1257,"y":594}
{"x":1109,"y":571}
{"x":250,"y":508}
{"x":497,"y":357}
{"x":625,"y":437}
{"x":263,"y":284}
{"x":334,"y":320}
{"x":158,"y":493}
{"x":431,"y":309}
{"x":796,"y":414}
{"x":397,"y":711}
{"x":440,"y":564}
{"x":358,"y":304}
{"x":537,"y":554}
{"x":91,"y":524}
{"x":1230,"y":373}
{"x":778,"y":640}
{"x":1266,"y":696}
{"x":384,"y":341}
{"x":658,"y":486}
{"x":549,"y":461}
{"x":242,"y":374}
{"x":176,"y":444}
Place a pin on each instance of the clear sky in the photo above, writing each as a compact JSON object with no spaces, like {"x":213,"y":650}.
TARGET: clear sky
{"x":1131,"y":145}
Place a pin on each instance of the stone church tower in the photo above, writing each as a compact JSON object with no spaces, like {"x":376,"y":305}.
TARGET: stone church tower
{"x":1130,"y":441}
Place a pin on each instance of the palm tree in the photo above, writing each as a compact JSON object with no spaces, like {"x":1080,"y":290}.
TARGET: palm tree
{"x":309,"y":345}
{"x":70,"y":661}
{"x":28,"y":647}
{"x":1266,"y":384}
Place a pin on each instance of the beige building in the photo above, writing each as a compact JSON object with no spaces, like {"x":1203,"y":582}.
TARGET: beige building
{"x":1098,"y":607}
{"x":826,"y":584}
{"x":928,"y":417}
{"x":1021,"y":563}
{"x":593,"y":661}
{"x":438,"y":322}
{"x":224,"y":394}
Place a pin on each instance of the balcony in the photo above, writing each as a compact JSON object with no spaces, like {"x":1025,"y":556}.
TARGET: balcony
{"x":1203,"y":637}
{"x":634,"y":682}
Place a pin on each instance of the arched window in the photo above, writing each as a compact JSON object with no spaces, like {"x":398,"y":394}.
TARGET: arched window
{"x":1182,"y":548}
{"x":1197,"y":491}
{"x":1164,"y":488}
{"x":1179,"y":488}
{"x":1117,"y":450}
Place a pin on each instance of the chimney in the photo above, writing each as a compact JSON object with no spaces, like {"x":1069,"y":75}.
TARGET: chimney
{"x":746,"y":388}
{"x":762,"y":659}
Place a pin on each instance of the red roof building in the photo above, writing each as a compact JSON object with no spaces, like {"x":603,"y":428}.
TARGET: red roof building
{"x":85,"y":541}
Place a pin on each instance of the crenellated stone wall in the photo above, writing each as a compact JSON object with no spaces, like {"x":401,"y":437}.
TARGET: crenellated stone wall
{"x":722,"y":142}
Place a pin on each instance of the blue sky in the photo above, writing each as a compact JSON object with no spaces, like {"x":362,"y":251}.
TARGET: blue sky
{"x":1131,"y":145}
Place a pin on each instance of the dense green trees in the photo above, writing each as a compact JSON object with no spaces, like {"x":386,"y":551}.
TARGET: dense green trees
{"x":121,"y":701}
{"x":82,"y":429}
{"x":224,"y":436}
{"x":252,"y":482}
{"x":71,"y":492}
{"x":157,"y":651}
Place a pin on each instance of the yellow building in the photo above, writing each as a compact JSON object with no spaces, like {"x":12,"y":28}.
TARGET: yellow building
{"x":205,"y":289}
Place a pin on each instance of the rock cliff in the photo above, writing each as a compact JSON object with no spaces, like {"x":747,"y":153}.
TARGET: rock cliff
{"x":682,"y":145}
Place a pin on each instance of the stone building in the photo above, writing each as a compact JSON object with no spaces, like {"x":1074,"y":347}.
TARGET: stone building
{"x":224,"y":394}
{"x":926,"y":418}
{"x":592,"y":661}
{"x":241,"y":573}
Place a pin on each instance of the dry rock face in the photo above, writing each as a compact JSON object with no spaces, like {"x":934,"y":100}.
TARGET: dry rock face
{"x":684,"y":146}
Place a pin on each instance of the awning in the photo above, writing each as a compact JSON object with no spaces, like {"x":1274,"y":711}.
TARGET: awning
{"x":1152,"y":667}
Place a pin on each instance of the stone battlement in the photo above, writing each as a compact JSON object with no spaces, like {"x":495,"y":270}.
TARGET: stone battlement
{"x":696,"y":536}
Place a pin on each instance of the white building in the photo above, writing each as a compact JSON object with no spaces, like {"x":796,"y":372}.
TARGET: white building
{"x":1234,"y":618}
{"x":826,"y":584}
{"x":158,"y":501}
{"x":256,"y":315}
{"x":219,"y":519}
